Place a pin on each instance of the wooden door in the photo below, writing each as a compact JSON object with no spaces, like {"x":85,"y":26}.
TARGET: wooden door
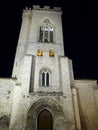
{"x":45,"y":121}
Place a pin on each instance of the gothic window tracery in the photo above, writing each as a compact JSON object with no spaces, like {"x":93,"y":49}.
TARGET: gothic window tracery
{"x":45,"y":76}
{"x":46,"y":31}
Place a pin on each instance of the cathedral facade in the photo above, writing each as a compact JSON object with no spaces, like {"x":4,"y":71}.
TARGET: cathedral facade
{"x":42,"y":93}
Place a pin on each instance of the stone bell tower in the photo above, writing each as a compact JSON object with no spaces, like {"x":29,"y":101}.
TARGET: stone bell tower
{"x":44,"y":95}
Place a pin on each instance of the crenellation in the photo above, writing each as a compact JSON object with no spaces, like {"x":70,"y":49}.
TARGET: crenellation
{"x":57,"y":8}
{"x":36,"y":7}
{"x":27,"y":11}
{"x":26,"y":8}
{"x":46,"y":8}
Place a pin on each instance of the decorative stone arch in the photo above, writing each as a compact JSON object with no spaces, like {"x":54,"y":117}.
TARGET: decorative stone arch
{"x":46,"y":21}
{"x":4,"y":122}
{"x":47,"y":80}
{"x":46,"y":29}
{"x":59,"y":120}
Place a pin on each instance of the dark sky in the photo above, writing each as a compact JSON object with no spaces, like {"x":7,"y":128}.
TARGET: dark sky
{"x":80,"y":34}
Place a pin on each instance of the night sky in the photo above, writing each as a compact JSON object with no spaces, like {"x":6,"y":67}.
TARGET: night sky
{"x":80,"y":30}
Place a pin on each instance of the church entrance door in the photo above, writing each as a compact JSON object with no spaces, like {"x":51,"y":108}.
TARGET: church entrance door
{"x":45,"y":121}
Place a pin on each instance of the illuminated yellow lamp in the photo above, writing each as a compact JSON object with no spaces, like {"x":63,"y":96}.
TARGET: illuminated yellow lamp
{"x":39,"y":53}
{"x":51,"y":53}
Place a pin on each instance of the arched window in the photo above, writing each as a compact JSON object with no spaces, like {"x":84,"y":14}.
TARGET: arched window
{"x":39,"y":52}
{"x":51,"y":53}
{"x":45,"y":78}
{"x":46,"y":31}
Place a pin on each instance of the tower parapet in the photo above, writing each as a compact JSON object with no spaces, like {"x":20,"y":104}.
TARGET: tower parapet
{"x":37,"y":7}
{"x":45,"y":8}
{"x":28,"y":11}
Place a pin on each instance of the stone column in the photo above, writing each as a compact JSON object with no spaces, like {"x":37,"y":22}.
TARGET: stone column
{"x":76,"y":109}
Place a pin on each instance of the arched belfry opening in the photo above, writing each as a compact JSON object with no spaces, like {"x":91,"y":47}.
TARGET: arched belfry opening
{"x":45,"y":120}
{"x":46,"y":30}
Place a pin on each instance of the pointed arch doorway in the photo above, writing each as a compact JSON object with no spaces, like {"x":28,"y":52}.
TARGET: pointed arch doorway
{"x":45,"y":120}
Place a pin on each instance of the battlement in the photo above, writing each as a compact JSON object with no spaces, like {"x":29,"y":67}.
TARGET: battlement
{"x":27,"y":10}
{"x":46,"y":8}
{"x":37,"y":7}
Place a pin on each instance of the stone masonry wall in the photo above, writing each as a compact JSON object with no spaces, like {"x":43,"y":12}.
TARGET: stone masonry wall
{"x":87,"y":100}
{"x":6,"y":99}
